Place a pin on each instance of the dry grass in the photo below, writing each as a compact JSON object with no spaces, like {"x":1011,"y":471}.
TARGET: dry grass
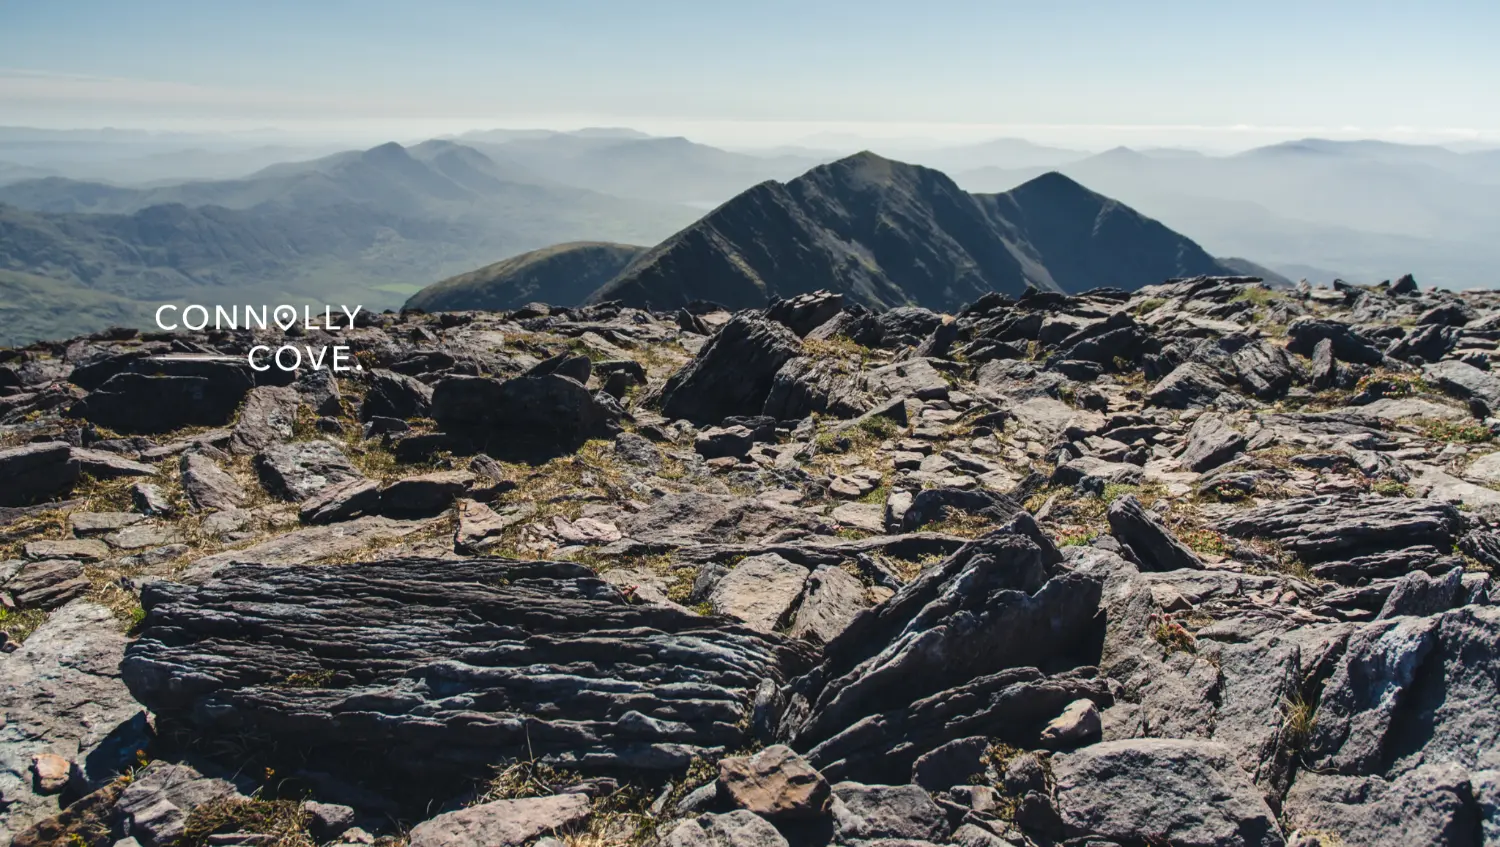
{"x":1298,"y":719}
{"x":283,"y":822}
{"x":961,"y":524}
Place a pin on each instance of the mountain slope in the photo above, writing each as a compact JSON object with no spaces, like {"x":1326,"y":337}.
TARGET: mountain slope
{"x":563,"y":274}
{"x":889,"y":234}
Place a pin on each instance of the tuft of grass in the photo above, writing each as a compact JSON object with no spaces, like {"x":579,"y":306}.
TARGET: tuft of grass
{"x":19,"y":624}
{"x":1451,"y":431}
{"x":1258,"y":295}
{"x":1077,"y":538}
{"x":308,"y":679}
{"x":961,"y":524}
{"x":1206,"y":541}
{"x":1298,"y":719}
{"x":1149,"y":305}
{"x":1386,"y":383}
{"x":1167,"y":631}
{"x":282,"y":822}
{"x":1391,"y":488}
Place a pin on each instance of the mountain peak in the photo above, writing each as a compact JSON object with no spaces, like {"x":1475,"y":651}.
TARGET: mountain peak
{"x":387,"y":152}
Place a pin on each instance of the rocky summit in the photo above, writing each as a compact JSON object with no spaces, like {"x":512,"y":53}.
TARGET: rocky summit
{"x":1207,"y":564}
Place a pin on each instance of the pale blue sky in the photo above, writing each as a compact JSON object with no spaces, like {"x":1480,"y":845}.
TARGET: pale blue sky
{"x":769,"y":71}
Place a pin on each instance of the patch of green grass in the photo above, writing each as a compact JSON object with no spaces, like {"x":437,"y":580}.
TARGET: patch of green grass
{"x":1149,"y":305}
{"x":1391,"y":488}
{"x":19,"y":624}
{"x":1258,"y":295}
{"x":308,"y":679}
{"x":1452,"y":431}
{"x":1205,"y":541}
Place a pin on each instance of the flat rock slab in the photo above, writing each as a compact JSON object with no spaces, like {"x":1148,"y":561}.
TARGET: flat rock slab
{"x":1188,"y":793}
{"x":300,"y":470}
{"x":61,"y":694}
{"x":503,"y":823}
{"x":760,"y":591}
{"x":306,"y":546}
{"x":430,"y":671}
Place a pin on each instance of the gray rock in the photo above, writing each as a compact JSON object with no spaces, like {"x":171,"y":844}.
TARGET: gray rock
{"x":1265,"y":369}
{"x":1191,"y":385}
{"x":61,"y":693}
{"x":341,"y":501}
{"x":36,"y":472}
{"x":868,"y":812}
{"x":155,"y":807}
{"x":1186,"y":793}
{"x":1430,"y":805}
{"x":101,"y":465}
{"x":950,"y":764}
{"x":190,"y":392}
{"x":301,"y":470}
{"x":1148,"y":538}
{"x":1211,"y":443}
{"x":804,"y":313}
{"x":319,"y":391}
{"x":208,"y":486}
{"x":424,"y":494}
{"x":326,"y":821}
{"x":1078,"y":724}
{"x":933,"y":504}
{"x":149,"y":500}
{"x":761,"y":591}
{"x":502,"y":823}
{"x":1419,"y":594}
{"x":733,"y":829}
{"x":550,"y":411}
{"x":392,"y":644}
{"x":480,"y":527}
{"x":1304,"y":334}
{"x":832,"y":599}
{"x":732,"y":374}
{"x":1324,"y":372}
{"x":394,"y":395}
{"x":775,"y":783}
{"x":1466,"y":382}
{"x":1319,"y":529}
{"x":266,"y":418}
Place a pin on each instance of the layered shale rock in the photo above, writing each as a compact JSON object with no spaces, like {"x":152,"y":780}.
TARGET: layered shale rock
{"x":442,"y":668}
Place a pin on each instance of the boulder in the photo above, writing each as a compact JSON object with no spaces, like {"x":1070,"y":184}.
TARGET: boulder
{"x":1347,"y":344}
{"x":187,"y":393}
{"x":551,"y":411}
{"x":871,"y":812}
{"x":775,"y":783}
{"x":1189,"y":386}
{"x":833,"y":597}
{"x":61,"y":695}
{"x":1265,"y":369}
{"x":732,"y":374}
{"x":935,"y":504}
{"x":1480,"y":388}
{"x":36,"y":472}
{"x":424,"y":494}
{"x":1211,"y":443}
{"x":395,"y":395}
{"x":1185,"y":793}
{"x":341,"y":501}
{"x":803,"y":313}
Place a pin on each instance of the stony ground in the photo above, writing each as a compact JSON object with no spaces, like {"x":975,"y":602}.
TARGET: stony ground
{"x":1205,"y":564}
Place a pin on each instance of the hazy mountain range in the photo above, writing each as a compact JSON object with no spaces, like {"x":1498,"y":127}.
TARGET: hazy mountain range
{"x":117,"y":221}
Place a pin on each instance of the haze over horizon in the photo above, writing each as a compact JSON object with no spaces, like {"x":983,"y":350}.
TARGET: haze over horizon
{"x":1090,"y":75}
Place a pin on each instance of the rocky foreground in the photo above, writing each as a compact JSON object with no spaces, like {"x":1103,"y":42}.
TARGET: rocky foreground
{"x":1203,"y":564}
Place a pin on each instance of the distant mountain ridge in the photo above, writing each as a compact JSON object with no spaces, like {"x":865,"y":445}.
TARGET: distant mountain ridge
{"x":560,"y":274}
{"x":890,"y":234}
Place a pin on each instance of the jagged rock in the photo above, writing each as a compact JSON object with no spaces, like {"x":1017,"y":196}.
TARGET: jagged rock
{"x":1446,"y":314}
{"x":761,"y":591}
{"x":341,"y":501}
{"x":1148,"y":538}
{"x":775,"y":783}
{"x":732,"y":374}
{"x":395,"y":395}
{"x":833,"y":597}
{"x":424,"y":494}
{"x":1466,"y":382}
{"x":172,"y":394}
{"x":303,"y":469}
{"x":571,"y":365}
{"x":155,"y":806}
{"x":551,"y":411}
{"x":60,"y":693}
{"x":48,"y":584}
{"x":266,"y":418}
{"x":479,"y":526}
{"x":954,"y":763}
{"x":384,"y":645}
{"x":1420,"y":595}
{"x":1348,"y":345}
{"x":716,"y":442}
{"x":960,"y":625}
{"x":326,"y":821}
{"x":36,"y":472}
{"x":84,"y":823}
{"x":805,"y":312}
{"x":1190,"y":385}
{"x":1188,"y":793}
{"x":1320,"y":529}
{"x":1211,"y":443}
{"x":933,"y":504}
{"x":208,"y":486}
{"x":502,"y":823}
{"x":1265,"y":369}
{"x":1324,"y":372}
{"x":319,"y":391}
